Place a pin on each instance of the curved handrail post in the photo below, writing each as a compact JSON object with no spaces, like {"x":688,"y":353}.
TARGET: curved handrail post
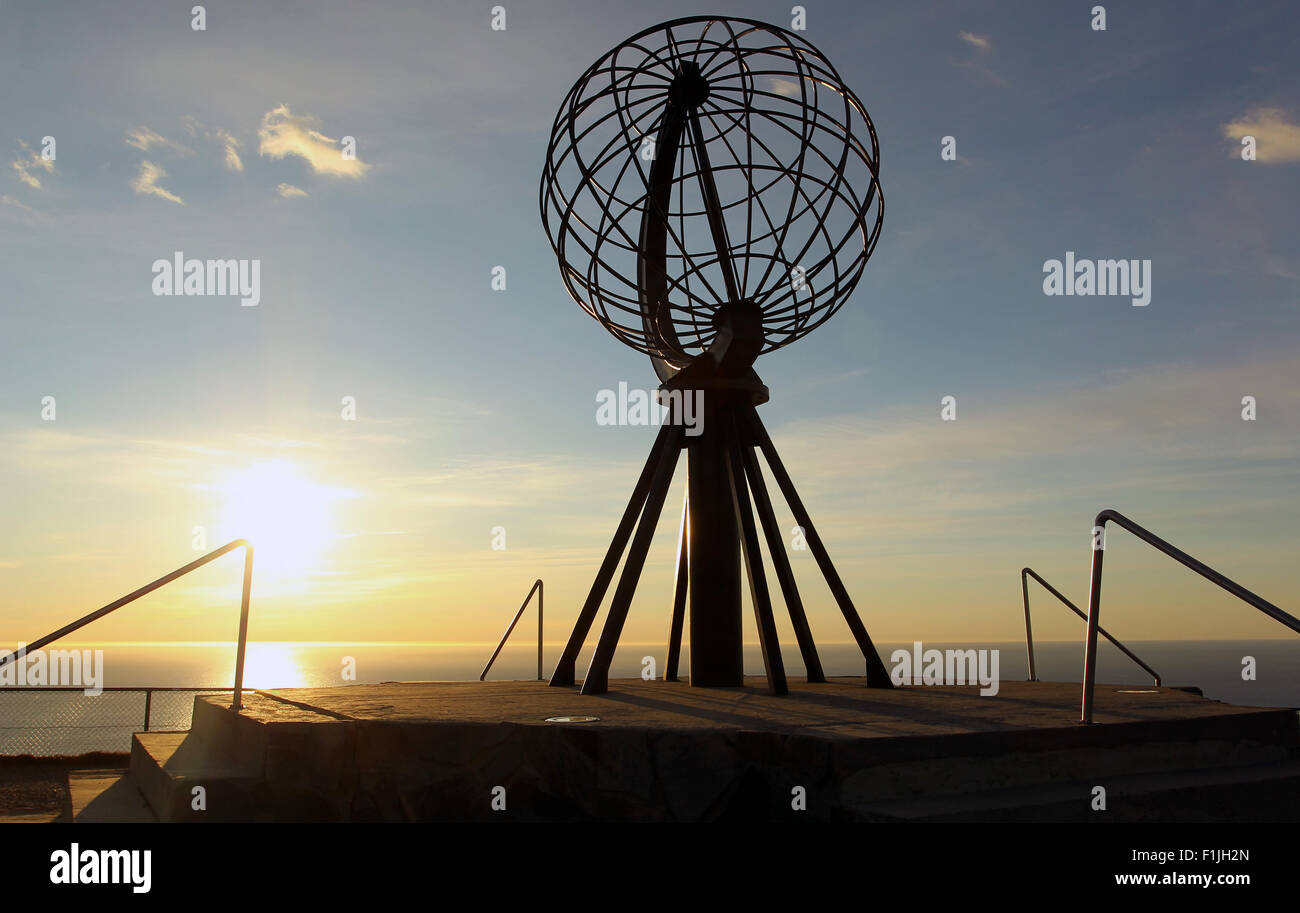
{"x":149,"y":588}
{"x":1094,"y":615}
{"x":237,"y":703}
{"x":537,"y":588}
{"x":1094,"y":592}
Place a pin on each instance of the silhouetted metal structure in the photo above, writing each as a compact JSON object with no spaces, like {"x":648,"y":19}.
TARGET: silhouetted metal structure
{"x":711,"y":192}
{"x":1186,"y":560}
{"x":1025,"y":574}
{"x":241,"y":645}
{"x":540,"y":590}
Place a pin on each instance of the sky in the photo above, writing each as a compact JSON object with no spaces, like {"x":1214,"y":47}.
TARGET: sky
{"x":180,"y":422}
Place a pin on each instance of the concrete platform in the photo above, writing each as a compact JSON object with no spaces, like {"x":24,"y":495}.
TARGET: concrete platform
{"x":659,"y":751}
{"x":841,"y":707}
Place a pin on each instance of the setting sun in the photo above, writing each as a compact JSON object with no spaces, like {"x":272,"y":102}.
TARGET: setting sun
{"x":288,"y":518}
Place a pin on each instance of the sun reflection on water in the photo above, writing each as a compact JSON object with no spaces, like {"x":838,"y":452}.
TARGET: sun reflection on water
{"x":275,"y":665}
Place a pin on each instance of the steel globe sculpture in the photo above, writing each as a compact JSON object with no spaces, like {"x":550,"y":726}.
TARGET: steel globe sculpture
{"x":703,"y":163}
{"x":711,"y":192}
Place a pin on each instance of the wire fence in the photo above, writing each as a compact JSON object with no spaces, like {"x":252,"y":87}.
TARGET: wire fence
{"x":57,"y":722}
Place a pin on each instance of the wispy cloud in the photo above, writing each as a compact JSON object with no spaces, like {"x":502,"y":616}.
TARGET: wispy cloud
{"x":17,"y":204}
{"x":1165,"y":411}
{"x":144,"y":139}
{"x":31,"y":161}
{"x":283,"y":134}
{"x":227,"y":140}
{"x":146,"y":182}
{"x":288,"y":191}
{"x":1017,"y":455}
{"x":485,"y":483}
{"x":980,"y":58}
{"x":1277,"y":138}
{"x":231,"y":146}
{"x":787,"y":87}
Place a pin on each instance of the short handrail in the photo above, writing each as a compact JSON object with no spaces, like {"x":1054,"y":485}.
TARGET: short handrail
{"x":1094,"y":592}
{"x":537,"y":588}
{"x":1025,"y":574}
{"x":148,"y":588}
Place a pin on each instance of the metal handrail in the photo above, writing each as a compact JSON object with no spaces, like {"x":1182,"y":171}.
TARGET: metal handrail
{"x":1025,"y":574}
{"x":537,"y":588}
{"x":148,"y":588}
{"x":1094,"y":592}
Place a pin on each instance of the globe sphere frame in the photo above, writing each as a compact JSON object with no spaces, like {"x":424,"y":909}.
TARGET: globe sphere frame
{"x":764,"y":190}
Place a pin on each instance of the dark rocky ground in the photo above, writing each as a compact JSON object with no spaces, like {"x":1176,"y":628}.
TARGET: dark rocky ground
{"x":36,"y":789}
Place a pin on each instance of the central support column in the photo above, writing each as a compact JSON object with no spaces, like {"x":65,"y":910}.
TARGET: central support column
{"x":716,"y":656}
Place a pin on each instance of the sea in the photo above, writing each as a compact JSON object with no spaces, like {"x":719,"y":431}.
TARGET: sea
{"x":1257,"y":673}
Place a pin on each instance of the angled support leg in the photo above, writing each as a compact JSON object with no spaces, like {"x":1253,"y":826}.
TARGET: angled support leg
{"x":877,"y":675}
{"x":565,"y":668}
{"x":597,"y":678}
{"x":758,"y":592}
{"x":680,"y":588}
{"x":781,"y":563}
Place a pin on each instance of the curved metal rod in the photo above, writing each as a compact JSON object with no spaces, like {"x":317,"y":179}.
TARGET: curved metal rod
{"x":148,"y":588}
{"x":1094,"y":592}
{"x":537,"y":588}
{"x":652,"y":251}
{"x":1028,"y":572}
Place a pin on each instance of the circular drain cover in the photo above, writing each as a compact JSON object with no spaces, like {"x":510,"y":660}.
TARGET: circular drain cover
{"x":573,"y":719}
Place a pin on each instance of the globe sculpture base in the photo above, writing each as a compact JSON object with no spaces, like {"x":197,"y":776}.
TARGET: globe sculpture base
{"x":717,"y":531}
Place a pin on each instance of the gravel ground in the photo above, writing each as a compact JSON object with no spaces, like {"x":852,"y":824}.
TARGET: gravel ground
{"x":36,"y":789}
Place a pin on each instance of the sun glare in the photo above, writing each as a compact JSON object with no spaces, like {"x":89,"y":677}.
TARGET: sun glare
{"x":273,"y":665}
{"x":288,"y":518}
